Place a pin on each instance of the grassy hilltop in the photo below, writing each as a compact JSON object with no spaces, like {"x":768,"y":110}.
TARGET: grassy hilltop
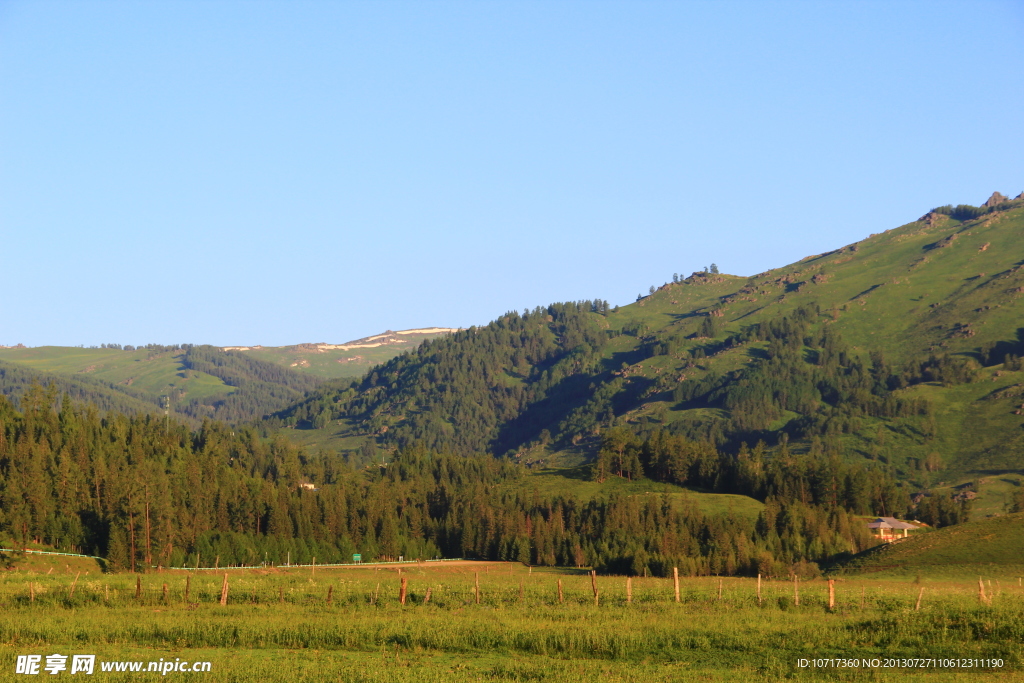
{"x":899,"y":351}
{"x":351,"y":359}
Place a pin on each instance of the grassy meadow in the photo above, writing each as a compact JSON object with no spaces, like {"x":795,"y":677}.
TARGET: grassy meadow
{"x":347,"y":624}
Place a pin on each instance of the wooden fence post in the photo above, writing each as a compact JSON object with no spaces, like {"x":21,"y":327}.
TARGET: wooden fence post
{"x":559,"y":591}
{"x":719,"y":589}
{"x":796,"y":590}
{"x":476,"y":588}
{"x":863,"y":597}
{"x":224,"y":590}
{"x":32,"y":592}
{"x":981,"y":591}
{"x":593,"y":584}
{"x":831,"y":594}
{"x":106,"y":593}
{"x":188,"y":586}
{"x":919,"y":594}
{"x":758,"y":589}
{"x":426,"y":598}
{"x":330,"y":595}
{"x":629,"y":589}
{"x":376,"y":592}
{"x":74,"y":583}
{"x":312,"y":572}
{"x":402,"y":589}
{"x":138,"y":587}
{"x":675,"y":580}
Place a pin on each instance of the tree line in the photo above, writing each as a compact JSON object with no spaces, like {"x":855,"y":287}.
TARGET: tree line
{"x":145,"y":492}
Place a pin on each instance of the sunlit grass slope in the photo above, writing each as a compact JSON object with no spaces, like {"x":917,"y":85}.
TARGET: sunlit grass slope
{"x":982,"y":546}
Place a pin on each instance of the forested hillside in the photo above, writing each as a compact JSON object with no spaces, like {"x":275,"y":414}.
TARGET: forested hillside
{"x":258,"y":388}
{"x":464,"y":392}
{"x":899,"y":352}
{"x":144,"y":492}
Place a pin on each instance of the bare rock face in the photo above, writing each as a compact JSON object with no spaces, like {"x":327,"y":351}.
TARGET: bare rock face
{"x":996,"y":198}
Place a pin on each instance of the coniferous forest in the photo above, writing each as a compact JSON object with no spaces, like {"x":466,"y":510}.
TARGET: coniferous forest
{"x":145,"y":492}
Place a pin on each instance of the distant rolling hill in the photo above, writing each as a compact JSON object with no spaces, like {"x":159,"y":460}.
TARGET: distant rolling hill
{"x":900,"y":352}
{"x":16,"y":379}
{"x":234,"y":384}
{"x":351,"y":359}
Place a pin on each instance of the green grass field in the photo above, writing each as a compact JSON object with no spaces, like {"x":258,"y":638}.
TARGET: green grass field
{"x":348,"y":624}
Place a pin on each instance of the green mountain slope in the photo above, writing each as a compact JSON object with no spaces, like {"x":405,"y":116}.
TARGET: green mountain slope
{"x":899,"y":351}
{"x":985,"y":545}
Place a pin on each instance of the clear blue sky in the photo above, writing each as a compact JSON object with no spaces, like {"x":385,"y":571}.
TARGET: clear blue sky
{"x":283,"y":172}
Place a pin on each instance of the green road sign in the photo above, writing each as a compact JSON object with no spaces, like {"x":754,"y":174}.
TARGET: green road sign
{"x":356,"y":557}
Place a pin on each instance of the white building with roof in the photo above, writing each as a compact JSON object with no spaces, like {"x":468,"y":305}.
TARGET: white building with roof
{"x":890,"y":529}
